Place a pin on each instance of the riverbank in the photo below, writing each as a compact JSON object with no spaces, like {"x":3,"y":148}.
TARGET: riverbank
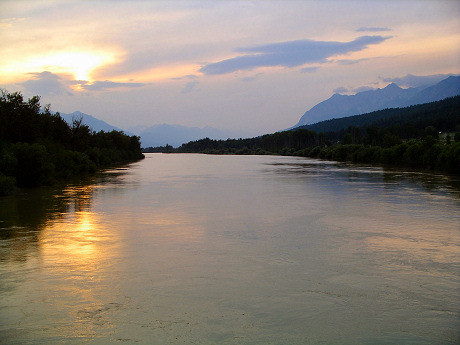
{"x":427,"y":155}
{"x":423,"y":137}
{"x":39,"y":148}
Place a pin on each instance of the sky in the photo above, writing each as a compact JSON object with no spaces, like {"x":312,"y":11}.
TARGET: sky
{"x":252,"y":67}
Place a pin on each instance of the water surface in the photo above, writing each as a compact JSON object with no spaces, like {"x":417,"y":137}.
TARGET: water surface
{"x":200,"y":249}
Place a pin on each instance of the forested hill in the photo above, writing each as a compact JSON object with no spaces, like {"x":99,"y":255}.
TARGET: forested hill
{"x":441,"y":114}
{"x":40,"y":148}
{"x":407,"y":137}
{"x":392,"y":96}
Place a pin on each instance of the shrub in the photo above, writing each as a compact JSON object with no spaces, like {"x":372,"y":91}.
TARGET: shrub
{"x":34,"y":165}
{"x":7,"y":184}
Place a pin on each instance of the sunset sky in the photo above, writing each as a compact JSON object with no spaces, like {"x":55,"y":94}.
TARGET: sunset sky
{"x":249,"y":66}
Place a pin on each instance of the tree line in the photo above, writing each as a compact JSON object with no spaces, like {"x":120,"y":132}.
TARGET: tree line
{"x":406,"y":137}
{"x":38,"y":147}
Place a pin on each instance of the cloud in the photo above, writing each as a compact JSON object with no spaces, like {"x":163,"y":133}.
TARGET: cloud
{"x":355,"y":61}
{"x":340,"y":89}
{"x":288,"y":54}
{"x":362,"y":89}
{"x":350,"y":61}
{"x":411,"y":80}
{"x":346,"y":90}
{"x":46,"y":83}
{"x":309,"y":69}
{"x":254,"y":77}
{"x":8,"y":22}
{"x":188,"y":76}
{"x":372,"y":29}
{"x":190,"y":86}
{"x":106,"y":84}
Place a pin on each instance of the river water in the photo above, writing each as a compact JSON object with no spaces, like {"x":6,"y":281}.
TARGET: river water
{"x":202,"y":249}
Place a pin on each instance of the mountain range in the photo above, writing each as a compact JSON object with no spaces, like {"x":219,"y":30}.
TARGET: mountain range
{"x":337,"y":106}
{"x":176,"y":135}
{"x":392,"y":96}
{"x":94,"y":123}
{"x":157,"y":135}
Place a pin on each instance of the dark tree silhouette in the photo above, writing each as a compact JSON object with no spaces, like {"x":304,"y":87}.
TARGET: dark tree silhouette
{"x":39,"y":148}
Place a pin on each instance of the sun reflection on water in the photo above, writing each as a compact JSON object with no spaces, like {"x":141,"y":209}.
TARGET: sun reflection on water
{"x":80,"y":241}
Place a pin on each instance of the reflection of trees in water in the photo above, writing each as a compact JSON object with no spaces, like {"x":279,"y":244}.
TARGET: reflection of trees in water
{"x":337,"y":172}
{"x":25,"y":215}
{"x":79,"y":197}
{"x":30,"y":211}
{"x":429,"y":181}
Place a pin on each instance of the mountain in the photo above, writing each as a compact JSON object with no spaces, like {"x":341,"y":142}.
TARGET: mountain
{"x":158,"y":135}
{"x":176,"y":135}
{"x":448,"y":87}
{"x":443,"y":115}
{"x":392,"y":96}
{"x":95,"y":124}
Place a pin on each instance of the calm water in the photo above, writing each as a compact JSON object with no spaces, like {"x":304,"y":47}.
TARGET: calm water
{"x":196,"y":249}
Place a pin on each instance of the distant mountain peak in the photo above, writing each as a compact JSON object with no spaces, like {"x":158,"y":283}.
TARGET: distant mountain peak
{"x":392,"y":86}
{"x":391,"y":96}
{"x":92,"y":122}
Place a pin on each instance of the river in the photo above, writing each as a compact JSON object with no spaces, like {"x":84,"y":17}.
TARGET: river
{"x":203,"y":249}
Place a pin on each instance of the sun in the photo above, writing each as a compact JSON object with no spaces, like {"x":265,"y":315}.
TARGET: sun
{"x":80,"y":64}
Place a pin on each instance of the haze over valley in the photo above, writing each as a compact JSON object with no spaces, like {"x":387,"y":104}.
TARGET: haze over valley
{"x":339,"y":105}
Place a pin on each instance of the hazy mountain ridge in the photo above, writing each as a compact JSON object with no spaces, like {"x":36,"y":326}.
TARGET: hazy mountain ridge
{"x":176,"y":135}
{"x":94,"y":123}
{"x":337,"y":106}
{"x":438,"y":114}
{"x":448,"y":87}
{"x":392,"y":96}
{"x":157,"y":135}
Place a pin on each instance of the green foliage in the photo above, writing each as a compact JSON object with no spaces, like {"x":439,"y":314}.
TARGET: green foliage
{"x":457,"y":137}
{"x":7,"y":184}
{"x":34,"y":165}
{"x":409,"y":122}
{"x":407,"y":137}
{"x":39,"y":148}
{"x":8,"y":163}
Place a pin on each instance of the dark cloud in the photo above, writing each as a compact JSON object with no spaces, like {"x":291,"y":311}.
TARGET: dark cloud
{"x":190,"y":86}
{"x":340,"y":89}
{"x":288,"y":54}
{"x":254,"y":77}
{"x":309,"y":69}
{"x":188,"y":76}
{"x":107,"y":84}
{"x":355,"y":61}
{"x":416,"y":81}
{"x":350,"y":61}
{"x":372,"y":29}
{"x":46,"y":83}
